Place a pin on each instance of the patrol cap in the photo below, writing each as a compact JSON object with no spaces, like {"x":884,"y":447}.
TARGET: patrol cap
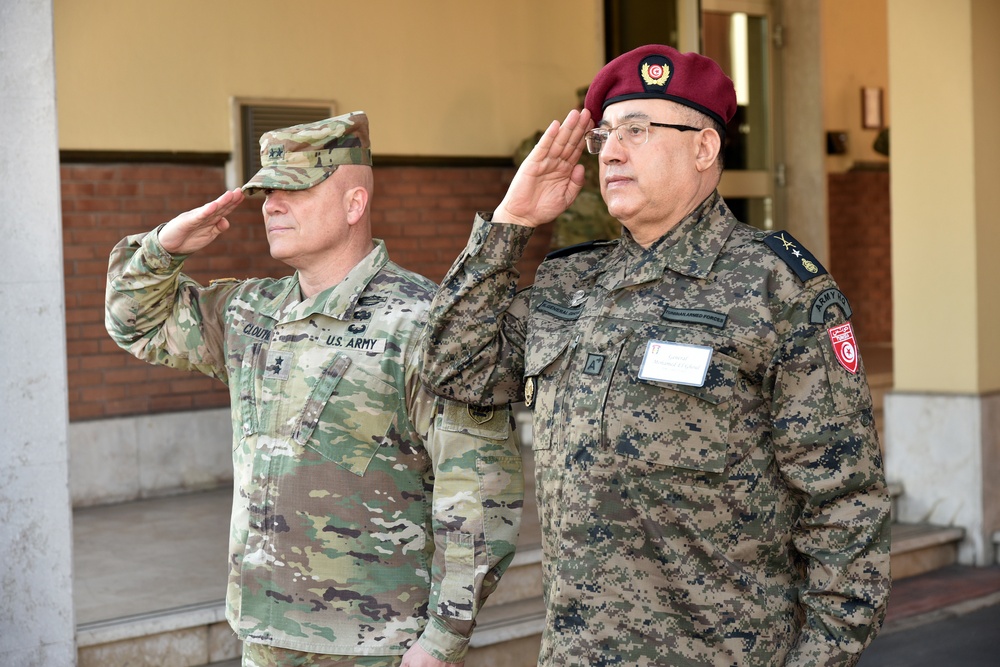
{"x":655,"y":71}
{"x":301,"y":156}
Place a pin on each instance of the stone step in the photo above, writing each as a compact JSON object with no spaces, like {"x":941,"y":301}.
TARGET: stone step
{"x":922,"y":547}
{"x":185,"y":636}
{"x":137,"y":563}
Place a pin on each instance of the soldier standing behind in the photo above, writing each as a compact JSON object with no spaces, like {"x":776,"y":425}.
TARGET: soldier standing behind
{"x":370,"y":519}
{"x":710,"y":485}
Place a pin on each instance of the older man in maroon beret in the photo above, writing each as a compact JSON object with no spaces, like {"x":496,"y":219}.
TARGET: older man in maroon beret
{"x":708,"y":472}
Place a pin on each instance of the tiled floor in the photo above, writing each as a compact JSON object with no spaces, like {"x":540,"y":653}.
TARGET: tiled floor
{"x":946,"y":587}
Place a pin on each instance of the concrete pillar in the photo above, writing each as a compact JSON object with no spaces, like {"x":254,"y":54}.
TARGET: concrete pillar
{"x":36,"y":617}
{"x":942,"y":435}
{"x":802,"y":201}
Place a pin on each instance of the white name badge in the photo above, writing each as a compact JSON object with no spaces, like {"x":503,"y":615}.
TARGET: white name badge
{"x":675,"y":362}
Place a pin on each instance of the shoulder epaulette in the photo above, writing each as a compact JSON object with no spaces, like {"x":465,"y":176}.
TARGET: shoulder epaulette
{"x":579,"y":247}
{"x":800,"y":260}
{"x":223,"y":281}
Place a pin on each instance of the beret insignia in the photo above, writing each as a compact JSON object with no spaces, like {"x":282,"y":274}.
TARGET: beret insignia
{"x":655,"y":72}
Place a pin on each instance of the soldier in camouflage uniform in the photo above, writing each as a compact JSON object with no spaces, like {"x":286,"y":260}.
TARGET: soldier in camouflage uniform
{"x":709,"y":480}
{"x":370,"y":519}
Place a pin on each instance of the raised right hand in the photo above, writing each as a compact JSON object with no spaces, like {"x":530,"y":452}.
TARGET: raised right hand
{"x":191,"y":231}
{"x":550,"y":178}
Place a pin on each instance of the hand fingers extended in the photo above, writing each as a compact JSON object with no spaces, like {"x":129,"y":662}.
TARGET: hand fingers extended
{"x":565,"y":140}
{"x":222,"y":206}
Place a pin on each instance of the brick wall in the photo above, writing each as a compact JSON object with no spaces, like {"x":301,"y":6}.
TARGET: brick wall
{"x":860,"y":249}
{"x":423,"y":213}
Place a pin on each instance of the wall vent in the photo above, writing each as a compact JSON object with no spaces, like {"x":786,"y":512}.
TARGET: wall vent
{"x":255,"y":117}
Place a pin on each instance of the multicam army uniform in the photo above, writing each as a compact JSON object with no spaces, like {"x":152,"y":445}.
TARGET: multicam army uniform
{"x":366,"y":513}
{"x":737,"y":520}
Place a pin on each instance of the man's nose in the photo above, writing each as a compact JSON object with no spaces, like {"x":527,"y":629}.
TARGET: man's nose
{"x":613,"y":149}
{"x":274,"y":201}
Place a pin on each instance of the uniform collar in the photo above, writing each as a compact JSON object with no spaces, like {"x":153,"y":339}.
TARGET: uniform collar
{"x":690,"y":248}
{"x":338,"y":301}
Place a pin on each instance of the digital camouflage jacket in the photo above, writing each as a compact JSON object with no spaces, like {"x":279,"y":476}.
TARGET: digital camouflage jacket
{"x":708,"y":472}
{"x":367,"y":514}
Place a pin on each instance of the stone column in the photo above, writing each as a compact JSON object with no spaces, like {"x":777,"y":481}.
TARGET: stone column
{"x":943,"y":417}
{"x":36,"y":617}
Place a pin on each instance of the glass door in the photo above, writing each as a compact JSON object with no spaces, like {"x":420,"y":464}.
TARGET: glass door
{"x":738,"y":34}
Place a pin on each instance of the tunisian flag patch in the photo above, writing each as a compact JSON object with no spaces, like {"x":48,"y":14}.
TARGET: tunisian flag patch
{"x":844,"y":346}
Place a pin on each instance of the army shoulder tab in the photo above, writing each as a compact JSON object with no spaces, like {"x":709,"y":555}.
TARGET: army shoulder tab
{"x":579,"y":247}
{"x":223,"y":281}
{"x":800,"y":260}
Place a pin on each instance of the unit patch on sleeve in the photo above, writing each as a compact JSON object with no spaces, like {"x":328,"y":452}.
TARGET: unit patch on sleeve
{"x":828,"y":297}
{"x":800,"y":260}
{"x":844,"y":346}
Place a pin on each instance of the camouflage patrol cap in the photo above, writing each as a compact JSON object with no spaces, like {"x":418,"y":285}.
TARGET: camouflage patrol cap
{"x":301,"y":156}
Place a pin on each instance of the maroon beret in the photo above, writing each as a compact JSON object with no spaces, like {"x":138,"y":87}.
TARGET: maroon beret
{"x":661,"y":72}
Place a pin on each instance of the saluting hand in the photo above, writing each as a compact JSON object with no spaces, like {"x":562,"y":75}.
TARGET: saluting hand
{"x":191,"y":231}
{"x":550,"y":177}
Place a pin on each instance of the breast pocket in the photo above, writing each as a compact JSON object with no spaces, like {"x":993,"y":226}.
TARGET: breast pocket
{"x":347,"y":416}
{"x":544,"y":369}
{"x":666,"y":423}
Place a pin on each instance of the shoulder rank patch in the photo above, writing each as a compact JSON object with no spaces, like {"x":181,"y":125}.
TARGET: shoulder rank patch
{"x":579,"y":247}
{"x":800,"y":260}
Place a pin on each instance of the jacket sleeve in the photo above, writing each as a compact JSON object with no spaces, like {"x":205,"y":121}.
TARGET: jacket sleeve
{"x":477,"y":497}
{"x":475,"y":348}
{"x":158,"y":314}
{"x":828,"y":453}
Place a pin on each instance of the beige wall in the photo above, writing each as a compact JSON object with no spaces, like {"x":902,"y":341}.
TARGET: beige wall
{"x":448,"y":77}
{"x":946,"y":163}
{"x":855,"y":55}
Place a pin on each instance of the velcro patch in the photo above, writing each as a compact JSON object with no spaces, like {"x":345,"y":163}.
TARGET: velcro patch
{"x":695,"y":316}
{"x":827,"y":298}
{"x":561,"y":312}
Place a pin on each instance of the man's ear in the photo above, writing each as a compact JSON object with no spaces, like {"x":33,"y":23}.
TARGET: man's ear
{"x":356,"y":204}
{"x":708,"y":147}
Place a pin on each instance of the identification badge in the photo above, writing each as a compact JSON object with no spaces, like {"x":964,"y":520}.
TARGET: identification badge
{"x":844,"y":346}
{"x":677,"y":363}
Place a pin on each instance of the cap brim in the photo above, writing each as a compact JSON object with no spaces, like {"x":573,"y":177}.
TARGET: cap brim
{"x":287,"y":178}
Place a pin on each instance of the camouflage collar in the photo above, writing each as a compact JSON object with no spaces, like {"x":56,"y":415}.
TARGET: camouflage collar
{"x":690,"y":248}
{"x":338,"y":301}
{"x":696,"y":242}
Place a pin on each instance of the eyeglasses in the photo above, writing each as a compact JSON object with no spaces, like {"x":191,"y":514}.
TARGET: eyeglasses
{"x":630,"y":134}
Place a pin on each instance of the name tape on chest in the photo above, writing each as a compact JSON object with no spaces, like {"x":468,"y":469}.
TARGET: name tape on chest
{"x":695,"y":316}
{"x":568,"y":313}
{"x":375,"y":345}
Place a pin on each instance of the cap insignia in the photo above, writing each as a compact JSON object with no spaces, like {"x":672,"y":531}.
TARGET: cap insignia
{"x":655,"y":71}
{"x":275,"y":152}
